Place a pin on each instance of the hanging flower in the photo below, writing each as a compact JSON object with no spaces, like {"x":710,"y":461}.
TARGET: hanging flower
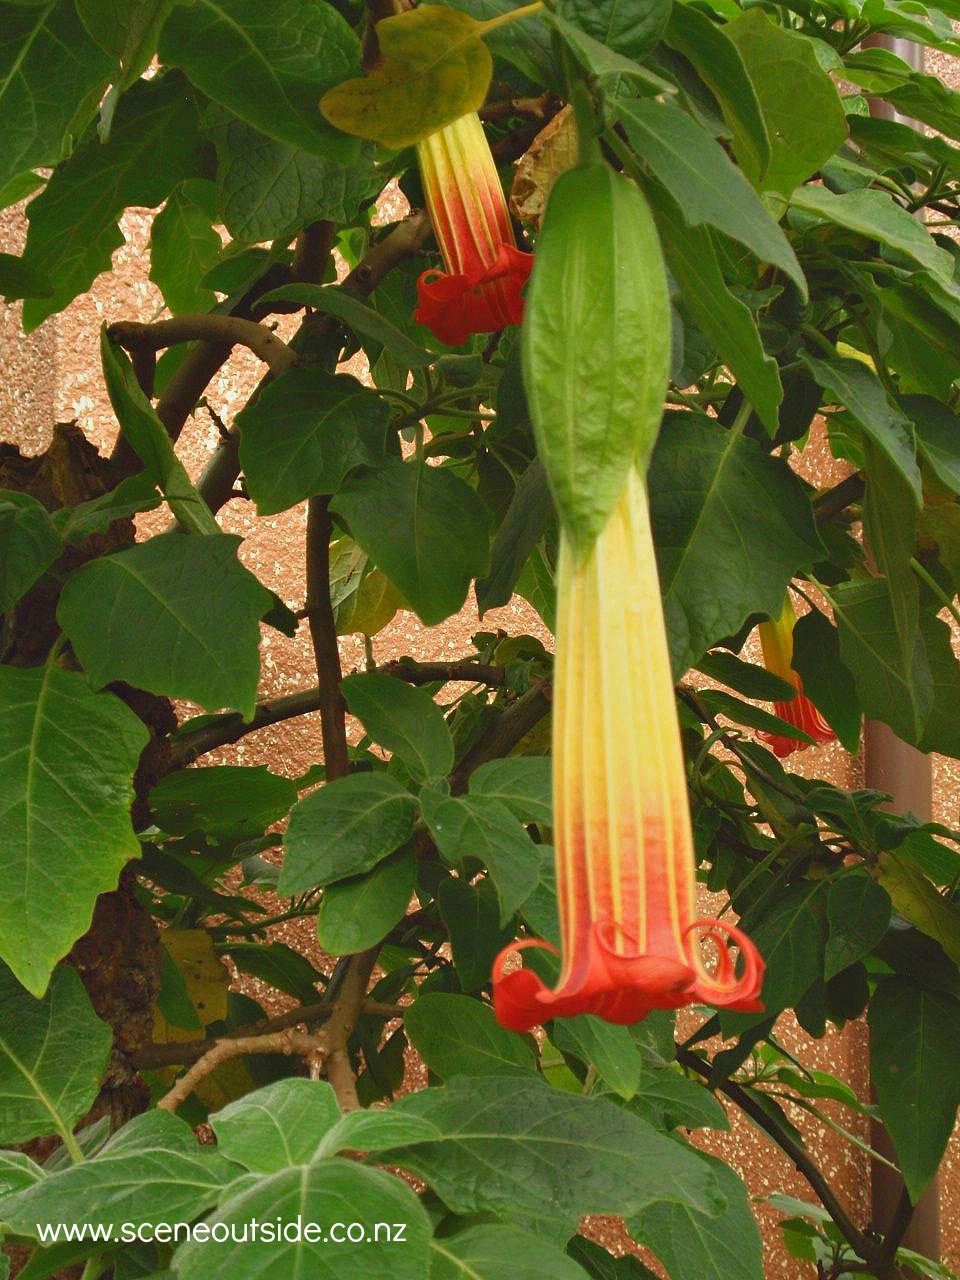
{"x":776,"y":641}
{"x":626,"y":880}
{"x":479,"y":292}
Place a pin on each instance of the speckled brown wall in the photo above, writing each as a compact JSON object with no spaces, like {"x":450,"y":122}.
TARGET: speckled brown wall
{"x":53,"y":375}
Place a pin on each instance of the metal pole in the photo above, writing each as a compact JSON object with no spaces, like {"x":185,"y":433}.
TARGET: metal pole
{"x":904,"y":772}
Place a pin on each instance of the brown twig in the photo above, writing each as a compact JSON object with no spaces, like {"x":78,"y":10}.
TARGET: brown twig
{"x":837,"y":499}
{"x":314,"y":245}
{"x":323,"y":633}
{"x":541,"y":108}
{"x":347,"y":1007}
{"x":223,"y":1050}
{"x":206,"y":327}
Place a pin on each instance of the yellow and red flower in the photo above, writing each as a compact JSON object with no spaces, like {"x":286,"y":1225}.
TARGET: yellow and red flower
{"x":480,"y":290}
{"x":776,"y":641}
{"x":626,"y":879}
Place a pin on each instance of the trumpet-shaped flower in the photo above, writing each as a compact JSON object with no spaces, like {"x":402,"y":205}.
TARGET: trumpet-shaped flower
{"x":776,"y":641}
{"x":485,"y":271}
{"x":626,"y":880}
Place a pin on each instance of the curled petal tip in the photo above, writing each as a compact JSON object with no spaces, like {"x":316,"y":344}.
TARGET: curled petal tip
{"x":454,"y":306}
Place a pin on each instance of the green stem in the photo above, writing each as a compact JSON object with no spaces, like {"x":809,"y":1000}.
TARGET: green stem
{"x":935,"y":587}
{"x":512,"y":15}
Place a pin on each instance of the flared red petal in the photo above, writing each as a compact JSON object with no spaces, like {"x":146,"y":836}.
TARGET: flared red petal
{"x":776,"y":641}
{"x":455,"y":306}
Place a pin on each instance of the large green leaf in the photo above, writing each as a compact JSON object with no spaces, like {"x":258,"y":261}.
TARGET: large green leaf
{"x":800,"y":104}
{"x":424,"y":527}
{"x":858,"y":914}
{"x":379,"y":332}
{"x":530,"y":1150}
{"x":524,"y":523}
{"x":277,"y":1127}
{"x":356,"y":913}
{"x":703,"y":181}
{"x":938,"y":437}
{"x":925,"y":340}
{"x":127,"y":31}
{"x":601,"y":1265}
{"x":608,"y":1048}
{"x":269,"y":65}
{"x":732,"y":526}
{"x":668,"y":1100}
{"x":458,"y":1036}
{"x":184,"y":246}
{"x":19,"y":279}
{"x":304,"y":432}
{"x":914,"y":1049}
{"x":155,"y":1150}
{"x":65,"y":792}
{"x":73,"y":230}
{"x":53,"y":1053}
{"x":148,"y":438}
{"x":51,"y":78}
{"x":705,"y":44}
{"x":726,"y":322}
{"x":403,"y":719}
{"x":178,"y":616}
{"x":225,"y":800}
{"x":269,"y":190}
{"x":816,"y":659}
{"x":693,"y":1246}
{"x":477,"y":827}
{"x":325,"y":1195}
{"x":345,"y":828}
{"x":492,"y":1252}
{"x":526,"y":45}
{"x":29,"y":544}
{"x":522,"y":783}
{"x":789,"y":934}
{"x":632,"y":28}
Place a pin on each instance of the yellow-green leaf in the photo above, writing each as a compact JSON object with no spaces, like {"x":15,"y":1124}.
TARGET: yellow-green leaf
{"x":918,"y":901}
{"x":435,"y":69}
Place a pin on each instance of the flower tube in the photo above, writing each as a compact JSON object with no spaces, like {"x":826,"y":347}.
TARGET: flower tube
{"x":626,"y":879}
{"x":776,"y":641}
{"x":479,"y":292}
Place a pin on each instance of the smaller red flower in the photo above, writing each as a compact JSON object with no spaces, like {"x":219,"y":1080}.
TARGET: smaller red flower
{"x":480,"y":289}
{"x":776,"y":641}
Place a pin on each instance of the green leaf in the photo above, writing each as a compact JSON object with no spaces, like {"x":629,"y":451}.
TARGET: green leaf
{"x":29,"y":544}
{"x":938,"y":437}
{"x":524,"y":523}
{"x":596,"y":350}
{"x":858,"y":915}
{"x":458,"y":1036}
{"x":73,"y":230}
{"x":725,"y":512}
{"x":603,"y":65}
{"x":925,"y":341}
{"x":184,"y":246}
{"x":726,"y":322}
{"x":53,"y":1054}
{"x":477,"y":827}
{"x":19,"y":279}
{"x":404,"y":720}
{"x":268,"y":65}
{"x":800,"y":104}
{"x":17,"y":1171}
{"x":354,"y":914}
{"x":861,"y":392}
{"x":941,"y":730}
{"x":344,"y":828}
{"x":876,"y":215}
{"x":522,"y":783}
{"x":178,"y":616}
{"x":304,"y":432}
{"x":914,"y":1048}
{"x":608,"y":1048}
{"x":667,"y":1100}
{"x":816,"y":659}
{"x":916,"y":899}
{"x":278,"y":1127}
{"x":892,"y":687}
{"x":424,"y":527}
{"x":603,"y":1266}
{"x":278,"y":965}
{"x":694,"y":1246}
{"x":526,"y":44}
{"x":788,"y":933}
{"x":471,"y":915}
{"x":747,"y":678}
{"x":225,"y":800}
{"x":132,"y":495}
{"x":717,"y":61}
{"x":270,"y":191}
{"x":127,"y":30}
{"x":704,"y":182}
{"x":156,"y":1150}
{"x":491,"y":1252}
{"x":51,"y":78}
{"x":433,"y":69}
{"x":65,"y":793}
{"x":539,"y":1152}
{"x":148,"y":438}
{"x":745,"y":713}
{"x":631,"y":28}
{"x":322,"y":1194}
{"x":357,"y":315}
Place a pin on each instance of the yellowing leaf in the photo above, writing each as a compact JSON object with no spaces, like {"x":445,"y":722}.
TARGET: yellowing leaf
{"x":916,"y":899}
{"x":435,"y":69}
{"x":205,"y":980}
{"x":370,"y":607}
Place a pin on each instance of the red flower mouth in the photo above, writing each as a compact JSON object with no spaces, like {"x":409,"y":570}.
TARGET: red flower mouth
{"x":455,"y":306}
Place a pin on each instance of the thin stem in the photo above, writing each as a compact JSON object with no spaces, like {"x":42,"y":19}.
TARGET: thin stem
{"x":935,"y":587}
{"x":323,"y":632}
{"x":512,"y":15}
